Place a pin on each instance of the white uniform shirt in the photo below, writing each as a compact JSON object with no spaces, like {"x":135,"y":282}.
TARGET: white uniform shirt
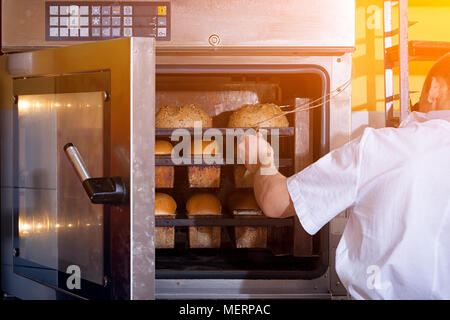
{"x":396,"y":184}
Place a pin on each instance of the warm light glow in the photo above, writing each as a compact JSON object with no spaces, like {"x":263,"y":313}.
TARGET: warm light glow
{"x":24,"y":228}
{"x":23,"y":105}
{"x":70,"y":225}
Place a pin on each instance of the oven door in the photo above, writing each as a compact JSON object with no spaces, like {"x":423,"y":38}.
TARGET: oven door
{"x":99,"y":97}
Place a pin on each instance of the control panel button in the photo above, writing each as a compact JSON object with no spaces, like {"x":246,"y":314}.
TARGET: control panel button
{"x":106,"y":10}
{"x":127,"y":32}
{"x":96,"y":32}
{"x":95,"y":21}
{"x":115,"y":10}
{"x":162,"y":21}
{"x":96,"y":10}
{"x":63,"y":32}
{"x":84,"y":21}
{"x":162,"y":32}
{"x":54,"y":21}
{"x":84,"y":10}
{"x":64,"y":21}
{"x":54,"y":32}
{"x":74,"y":32}
{"x":74,"y":21}
{"x":128,"y":10}
{"x":54,"y":10}
{"x":84,"y":32}
{"x":127,"y":21}
{"x":116,"y":32}
{"x":74,"y":10}
{"x":106,"y":32}
{"x":106,"y":21}
{"x":116,"y":21}
{"x":162,"y":10}
{"x":63,"y":10}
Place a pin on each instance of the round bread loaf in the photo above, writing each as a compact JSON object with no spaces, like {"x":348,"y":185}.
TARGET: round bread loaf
{"x":203,"y":204}
{"x":163,"y":147}
{"x":242,"y":200}
{"x":250,"y":115}
{"x":206,"y":147}
{"x":164,"y":204}
{"x":182,"y":117}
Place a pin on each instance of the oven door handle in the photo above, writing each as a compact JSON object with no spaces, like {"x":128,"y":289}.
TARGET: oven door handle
{"x":106,"y":190}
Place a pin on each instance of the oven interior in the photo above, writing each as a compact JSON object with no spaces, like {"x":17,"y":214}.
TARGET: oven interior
{"x":219,"y":92}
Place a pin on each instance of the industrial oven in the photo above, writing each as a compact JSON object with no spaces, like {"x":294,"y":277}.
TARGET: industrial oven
{"x":94,"y":73}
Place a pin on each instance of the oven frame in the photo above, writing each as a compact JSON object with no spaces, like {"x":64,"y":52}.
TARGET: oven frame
{"x":337,"y":65}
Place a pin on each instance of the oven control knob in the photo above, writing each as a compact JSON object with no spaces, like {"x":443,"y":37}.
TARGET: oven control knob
{"x":214,"y":40}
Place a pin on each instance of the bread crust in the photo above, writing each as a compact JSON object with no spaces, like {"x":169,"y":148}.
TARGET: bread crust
{"x":203,"y":204}
{"x":182,"y":117}
{"x":163,"y":147}
{"x":250,"y":115}
{"x":164,"y":204}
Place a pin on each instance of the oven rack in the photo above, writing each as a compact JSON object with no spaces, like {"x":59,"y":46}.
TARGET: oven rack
{"x":223,"y":222}
{"x":167,"y":132}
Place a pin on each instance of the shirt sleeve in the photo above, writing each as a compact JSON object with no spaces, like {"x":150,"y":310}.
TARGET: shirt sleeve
{"x":327,"y":187}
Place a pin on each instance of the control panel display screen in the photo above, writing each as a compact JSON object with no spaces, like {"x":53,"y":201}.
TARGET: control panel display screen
{"x":87,"y":20}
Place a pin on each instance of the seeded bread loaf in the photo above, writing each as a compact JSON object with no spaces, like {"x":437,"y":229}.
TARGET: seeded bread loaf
{"x":250,"y":115}
{"x":182,"y":117}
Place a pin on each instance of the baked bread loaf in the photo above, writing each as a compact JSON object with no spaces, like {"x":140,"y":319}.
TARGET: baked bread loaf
{"x":182,"y":117}
{"x":204,"y":176}
{"x":205,"y":148}
{"x":203,"y":204}
{"x":165,"y":207}
{"x":164,"y":204}
{"x":164,"y":175}
{"x":250,"y":115}
{"x":247,"y":236}
{"x":163,"y":147}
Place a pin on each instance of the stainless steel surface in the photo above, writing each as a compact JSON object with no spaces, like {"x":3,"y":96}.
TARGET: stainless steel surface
{"x":38,"y":240}
{"x":58,"y":226}
{"x":11,"y":283}
{"x":244,"y":289}
{"x":142,"y":150}
{"x":79,"y":76}
{"x":81,"y":223}
{"x":37,"y":128}
{"x":323,"y":25}
{"x":77,"y":162}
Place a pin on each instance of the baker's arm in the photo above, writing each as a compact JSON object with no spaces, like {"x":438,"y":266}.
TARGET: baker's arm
{"x":270,"y":186}
{"x":316,"y":195}
{"x":272,"y":195}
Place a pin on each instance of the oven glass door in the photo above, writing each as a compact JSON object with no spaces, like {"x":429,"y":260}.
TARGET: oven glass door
{"x":59,"y":234}
{"x":99,"y":97}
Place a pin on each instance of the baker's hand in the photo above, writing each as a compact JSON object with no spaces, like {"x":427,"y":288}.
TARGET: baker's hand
{"x":256,"y":153}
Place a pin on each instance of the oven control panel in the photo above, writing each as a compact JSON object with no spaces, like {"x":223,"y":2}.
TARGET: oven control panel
{"x":93,"y":21}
